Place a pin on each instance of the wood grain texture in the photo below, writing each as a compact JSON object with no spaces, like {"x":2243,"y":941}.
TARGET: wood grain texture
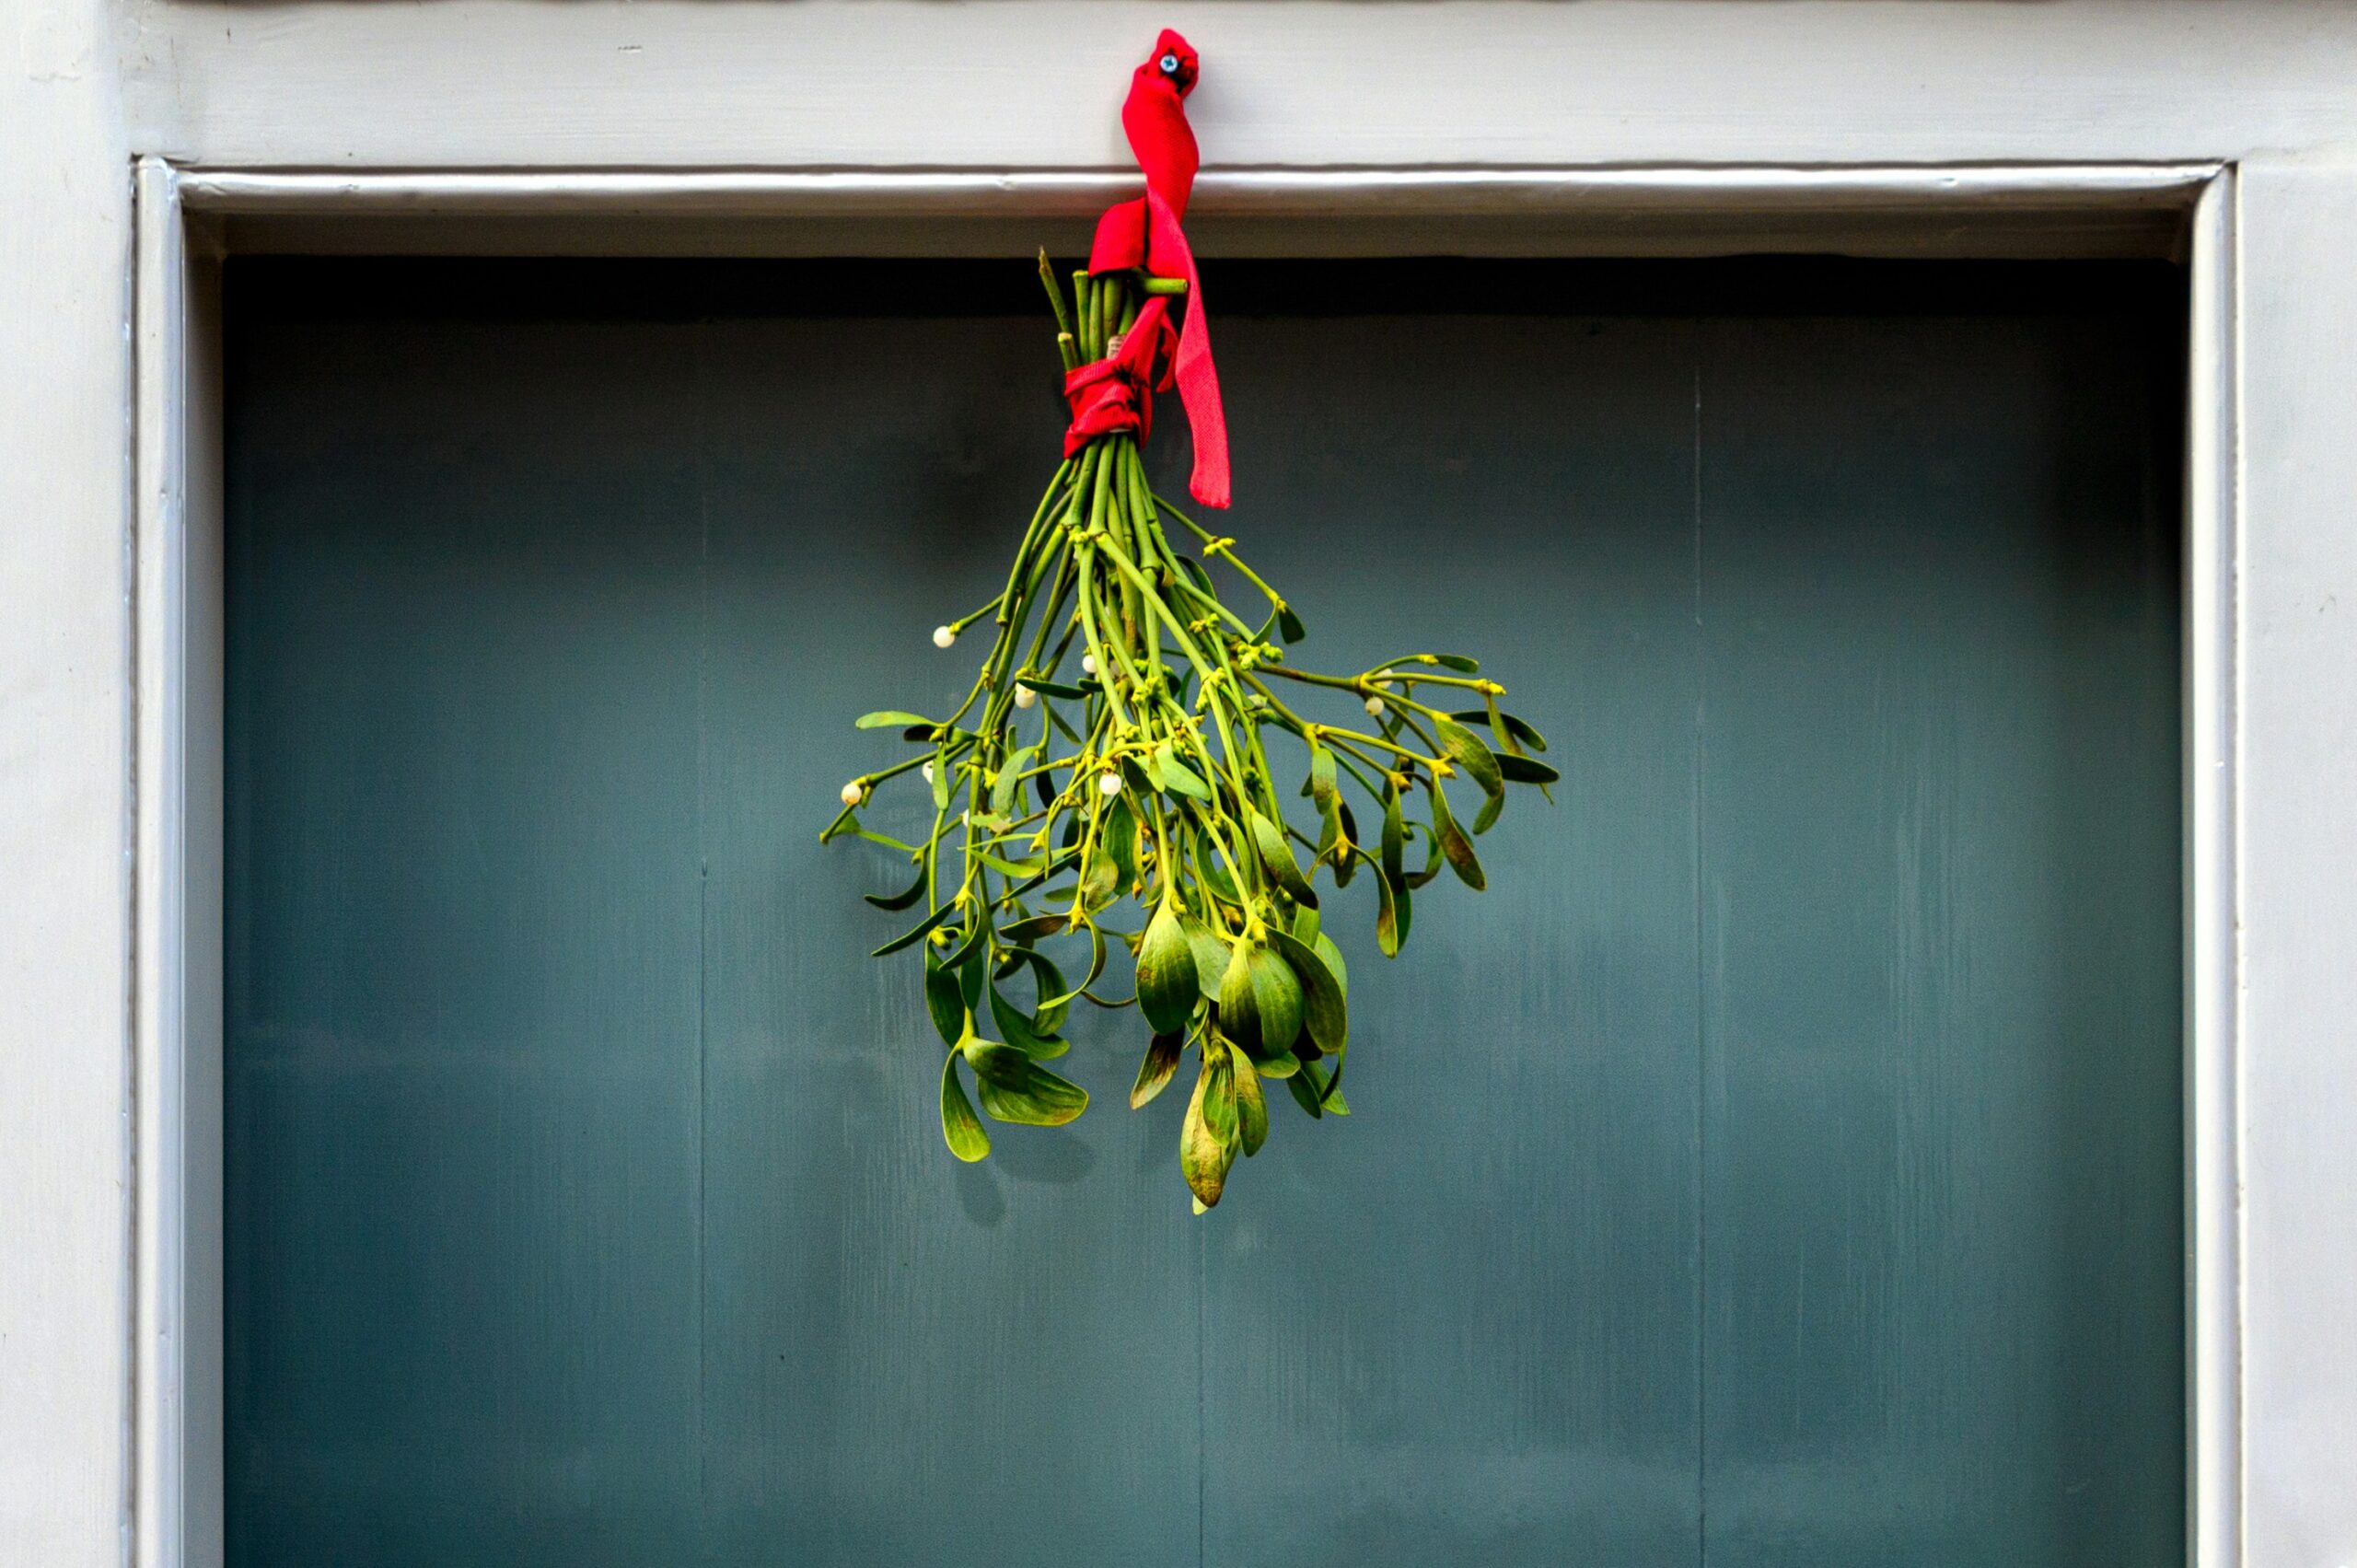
{"x":1780,"y":1165}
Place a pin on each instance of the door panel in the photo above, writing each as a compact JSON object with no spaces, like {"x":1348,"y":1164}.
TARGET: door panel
{"x":1779,"y":1164}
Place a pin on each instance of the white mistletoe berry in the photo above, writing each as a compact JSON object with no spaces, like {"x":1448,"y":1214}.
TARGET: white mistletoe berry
{"x":1109,"y":784}
{"x":1375,"y":707}
{"x":1024,"y":696}
{"x":943,"y":636}
{"x":852,"y":793}
{"x":927,"y":771}
{"x":1088,"y":664}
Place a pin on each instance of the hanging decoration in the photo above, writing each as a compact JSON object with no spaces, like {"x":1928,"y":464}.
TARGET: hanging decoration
{"x":1116,"y":746}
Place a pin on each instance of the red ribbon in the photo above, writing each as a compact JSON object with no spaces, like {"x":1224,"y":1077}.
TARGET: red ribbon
{"x":1116,"y":393}
{"x":1145,"y":233}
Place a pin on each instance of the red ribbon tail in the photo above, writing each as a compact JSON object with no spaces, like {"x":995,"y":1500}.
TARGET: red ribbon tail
{"x":1198,"y":379}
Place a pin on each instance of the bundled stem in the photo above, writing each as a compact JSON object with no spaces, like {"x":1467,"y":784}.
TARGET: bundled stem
{"x":1114,"y":744}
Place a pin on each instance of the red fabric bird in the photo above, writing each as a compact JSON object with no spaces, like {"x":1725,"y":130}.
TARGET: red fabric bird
{"x":1145,"y":233}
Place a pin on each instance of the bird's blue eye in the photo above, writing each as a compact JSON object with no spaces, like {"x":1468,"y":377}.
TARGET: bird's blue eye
{"x":1169,"y":63}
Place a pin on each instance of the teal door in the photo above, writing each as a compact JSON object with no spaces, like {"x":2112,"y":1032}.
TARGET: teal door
{"x":1780,"y":1166}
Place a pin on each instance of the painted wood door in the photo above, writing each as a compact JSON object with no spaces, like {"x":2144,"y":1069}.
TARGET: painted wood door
{"x":1780,"y":1165}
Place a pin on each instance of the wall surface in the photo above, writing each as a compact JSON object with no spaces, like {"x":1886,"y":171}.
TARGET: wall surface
{"x":65,"y":797}
{"x":517,"y":82}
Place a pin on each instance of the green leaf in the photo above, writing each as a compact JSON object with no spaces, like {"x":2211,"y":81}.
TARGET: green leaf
{"x":945,"y":1001}
{"x":1211,"y":955}
{"x":1333,"y":957}
{"x":898,"y":900}
{"x":1277,"y":855}
{"x":1345,"y":840}
{"x":1305,"y":921}
{"x":1491,"y":805}
{"x":1239,"y":1010}
{"x":959,"y":1126}
{"x":1041,"y":1045}
{"x":1195,"y":573}
{"x":883,"y":717}
{"x":1462,"y":746}
{"x":1158,"y":1066}
{"x":1526,"y":770}
{"x":1514,"y":727}
{"x":1260,"y":1001}
{"x":1010,"y":774}
{"x":1015,"y":1088}
{"x":1460,"y":662}
{"x":1305,"y":1094}
{"x":1029,"y":929}
{"x":1168,"y":987}
{"x":1321,"y":778}
{"x":1324,"y":1012}
{"x":917,"y":932}
{"x":1289,"y":625}
{"x":940,"y":779}
{"x":1454,"y":843}
{"x":1122,"y":840}
{"x":1176,"y":777}
{"x":1051,"y":687}
{"x":1055,"y":997}
{"x":1391,"y":918}
{"x":1251,"y":1110}
{"x":1395,"y":839}
{"x":1203,"y":1157}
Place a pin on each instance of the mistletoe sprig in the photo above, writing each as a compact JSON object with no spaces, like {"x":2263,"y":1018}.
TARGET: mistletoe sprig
{"x":1116,"y":744}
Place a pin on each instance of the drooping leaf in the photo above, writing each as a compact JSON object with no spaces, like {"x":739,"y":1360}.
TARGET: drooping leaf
{"x":1514,"y":727}
{"x":1487,"y":816}
{"x":1333,"y":957}
{"x":1168,"y":987}
{"x":885,"y":718}
{"x":1239,"y":1009}
{"x":1178,"y":777}
{"x":1052,"y":688}
{"x":917,"y":932}
{"x":1024,"y":1034}
{"x":941,"y":776}
{"x":1391,"y":917}
{"x":1211,"y":955}
{"x":1289,"y":625}
{"x":959,"y":1126}
{"x":1305,"y":1094}
{"x":1325,"y":1014}
{"x":1276,"y":854}
{"x":1526,"y":770}
{"x":1203,"y":1158}
{"x":1251,"y":1110}
{"x":1395,"y":839}
{"x":1010,"y":774}
{"x":1277,"y":1003}
{"x":1158,"y":1066}
{"x":1462,"y":746}
{"x":899,"y":900}
{"x":1015,"y":1088}
{"x":1454,"y":844}
{"x":945,"y":1001}
{"x":1321,"y":778}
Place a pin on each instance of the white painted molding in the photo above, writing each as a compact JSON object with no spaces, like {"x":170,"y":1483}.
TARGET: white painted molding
{"x":179,"y":828}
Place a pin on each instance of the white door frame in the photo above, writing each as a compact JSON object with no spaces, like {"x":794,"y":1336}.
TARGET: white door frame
{"x":185,"y":216}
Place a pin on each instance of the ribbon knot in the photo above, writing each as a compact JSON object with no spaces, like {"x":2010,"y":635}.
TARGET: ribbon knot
{"x":1115,"y":394}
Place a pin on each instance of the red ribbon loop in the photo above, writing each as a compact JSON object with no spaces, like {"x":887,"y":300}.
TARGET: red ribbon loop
{"x":1116,"y":393}
{"x":1146,"y":233}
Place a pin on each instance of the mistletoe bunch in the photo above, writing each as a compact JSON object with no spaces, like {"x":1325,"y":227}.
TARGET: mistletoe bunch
{"x":1115,"y":746}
